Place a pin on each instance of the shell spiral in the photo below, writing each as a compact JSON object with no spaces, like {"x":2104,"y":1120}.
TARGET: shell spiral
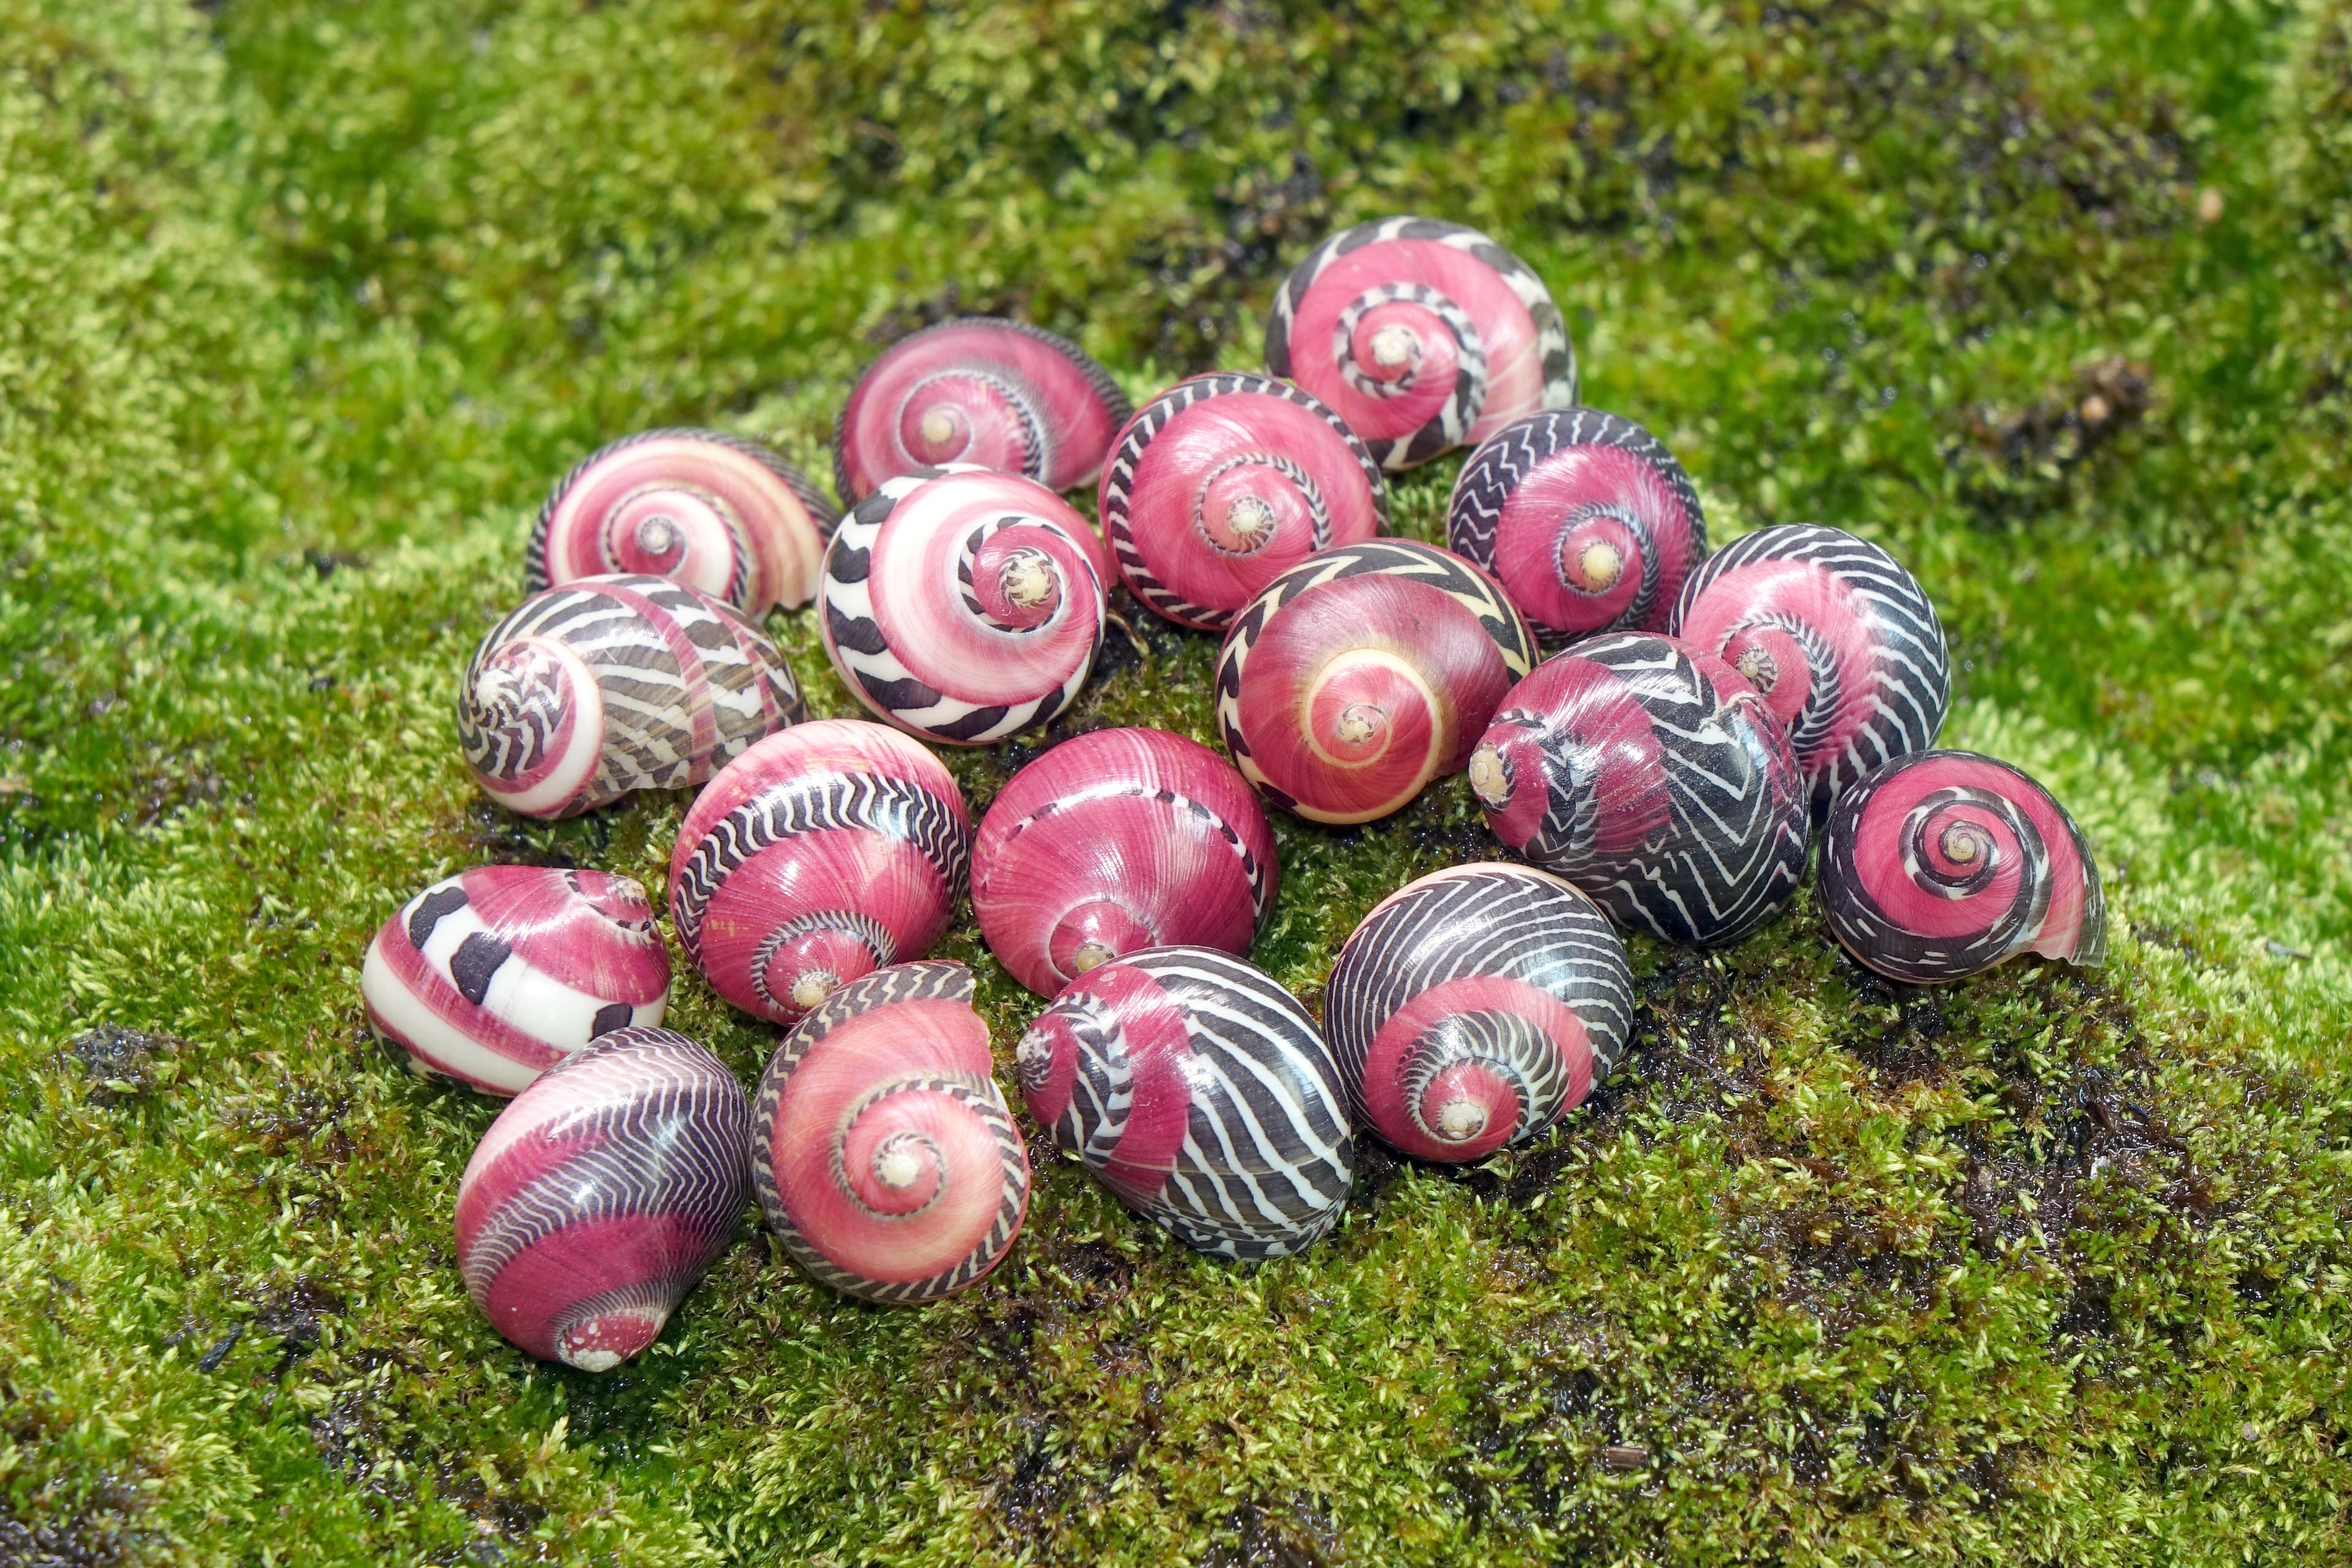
{"x":494,"y":975}
{"x":1364,"y":672}
{"x":1649,"y":774}
{"x":882,"y":1149}
{"x":1423,"y":335}
{"x":1941,"y":864}
{"x":601,"y":1194}
{"x":1476,"y":1007}
{"x":610,"y":685}
{"x":1115,"y":841}
{"x":1200,"y":1093}
{"x":1586,"y":519}
{"x":1222,"y":483}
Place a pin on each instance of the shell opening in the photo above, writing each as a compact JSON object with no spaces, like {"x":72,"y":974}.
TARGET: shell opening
{"x":1490,"y":776}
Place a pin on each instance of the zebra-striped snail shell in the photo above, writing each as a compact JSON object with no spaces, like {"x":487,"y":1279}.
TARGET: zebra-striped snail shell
{"x":1475,"y":1007}
{"x":881,"y":1148}
{"x":601,"y":1194}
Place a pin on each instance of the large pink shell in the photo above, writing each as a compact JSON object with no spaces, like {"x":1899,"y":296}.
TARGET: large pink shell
{"x":822,"y":853}
{"x":494,"y":975}
{"x":1115,"y":841}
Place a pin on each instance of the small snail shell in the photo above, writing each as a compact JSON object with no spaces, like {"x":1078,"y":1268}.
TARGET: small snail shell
{"x":981,"y":390}
{"x":1119,"y":840}
{"x":1364,"y":672}
{"x":601,"y":1194}
{"x":1939,"y":864}
{"x":719,"y":514}
{"x":1649,"y":774}
{"x":1476,"y":1007}
{"x":822,"y":853}
{"x":1220,"y":484}
{"x":1423,"y":335}
{"x":1839,"y":637}
{"x":494,"y":975}
{"x":881,"y":1148}
{"x":609,"y":685}
{"x":1586,"y":518}
{"x":964,"y":605}
{"x":1200,"y":1093}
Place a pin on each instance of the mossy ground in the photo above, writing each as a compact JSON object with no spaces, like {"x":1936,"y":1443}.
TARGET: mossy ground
{"x":302,"y":306}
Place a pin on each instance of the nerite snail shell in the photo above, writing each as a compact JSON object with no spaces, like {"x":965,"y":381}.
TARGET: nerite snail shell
{"x":1220,"y":484}
{"x":1200,"y":1093}
{"x":1586,"y":519}
{"x":609,"y":685}
{"x":1648,"y":773}
{"x":1839,"y":637}
{"x":1941,"y":864}
{"x":494,"y":975}
{"x":882,"y":1149}
{"x":1476,"y":1007}
{"x":715,"y":512}
{"x":822,"y":853}
{"x":1364,"y":672}
{"x":1115,"y":841}
{"x":601,"y":1194}
{"x":1423,"y":335}
{"x":981,"y":390}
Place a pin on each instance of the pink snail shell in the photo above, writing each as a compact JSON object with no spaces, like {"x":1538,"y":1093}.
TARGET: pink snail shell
{"x":1115,"y":841}
{"x":494,"y":975}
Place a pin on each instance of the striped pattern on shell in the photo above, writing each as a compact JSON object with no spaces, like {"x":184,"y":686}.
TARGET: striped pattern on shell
{"x":1423,"y":335}
{"x":882,"y":1149}
{"x":1649,"y":774}
{"x":601,"y":1194}
{"x":1474,"y":1008}
{"x":1586,"y":519}
{"x":610,"y":685}
{"x":494,"y":975}
{"x":1200,"y":1093}
{"x":1940,"y":864}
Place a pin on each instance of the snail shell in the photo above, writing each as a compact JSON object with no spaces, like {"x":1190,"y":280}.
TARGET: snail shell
{"x":1839,"y":637}
{"x":494,"y":975}
{"x":601,"y":1194}
{"x":609,"y":685}
{"x":822,"y":853}
{"x":1200,"y":1093}
{"x":1222,"y":483}
{"x":1423,"y":335}
{"x":1364,"y":672}
{"x":1941,"y":864}
{"x":882,"y":1149}
{"x":1649,"y":774}
{"x":964,"y":605}
{"x":1476,"y":1007}
{"x":981,"y":390}
{"x":720,"y":514}
{"x":1586,"y":518}
{"x":1115,"y":841}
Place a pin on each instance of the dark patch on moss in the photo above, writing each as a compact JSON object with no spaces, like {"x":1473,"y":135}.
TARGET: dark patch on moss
{"x":125,"y":1063}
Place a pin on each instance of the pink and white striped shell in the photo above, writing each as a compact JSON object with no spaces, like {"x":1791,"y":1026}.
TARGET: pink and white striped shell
{"x":1586,"y":519}
{"x":1475,"y":1007}
{"x":1423,"y":335}
{"x":822,"y":853}
{"x":882,"y":1149}
{"x":1939,"y":864}
{"x":1001,"y":395}
{"x":1363,"y":673}
{"x":722,"y":515}
{"x":601,"y":1194}
{"x":1117,"y":841}
{"x":964,"y":606}
{"x":610,"y":685}
{"x":1222,"y":483}
{"x":494,"y":975}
